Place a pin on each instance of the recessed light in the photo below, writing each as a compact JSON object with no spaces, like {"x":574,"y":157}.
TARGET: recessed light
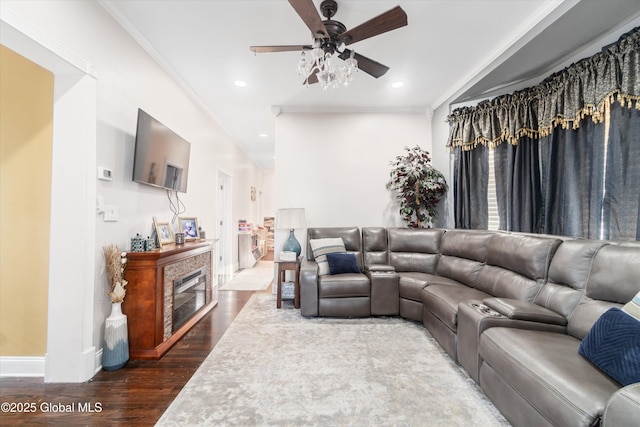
{"x":263,"y":135}
{"x":397,"y":85}
{"x":240,"y":83}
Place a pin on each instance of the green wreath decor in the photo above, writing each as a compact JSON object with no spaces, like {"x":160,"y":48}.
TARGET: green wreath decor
{"x":418,"y":186}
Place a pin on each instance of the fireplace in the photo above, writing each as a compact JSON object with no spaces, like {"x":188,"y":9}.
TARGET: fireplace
{"x":189,"y":296}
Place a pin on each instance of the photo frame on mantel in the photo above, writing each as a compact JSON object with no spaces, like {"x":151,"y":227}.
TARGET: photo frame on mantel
{"x":164,"y":233}
{"x":189,"y":226}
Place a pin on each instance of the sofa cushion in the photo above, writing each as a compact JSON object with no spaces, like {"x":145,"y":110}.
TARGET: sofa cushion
{"x":525,"y":255}
{"x":566,"y":286}
{"x":374,"y":246}
{"x":613,"y":281}
{"x":321,"y":247}
{"x":547,"y":371}
{"x":613,"y":345}
{"x":442,"y":301}
{"x":516,"y":266}
{"x":463,"y":255}
{"x":614,"y":274}
{"x":410,"y":284}
{"x":414,"y":249}
{"x":344,"y":286}
{"x":340,"y":263}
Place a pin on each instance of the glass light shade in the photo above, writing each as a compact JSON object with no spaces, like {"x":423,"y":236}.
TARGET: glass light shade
{"x":330,"y":72}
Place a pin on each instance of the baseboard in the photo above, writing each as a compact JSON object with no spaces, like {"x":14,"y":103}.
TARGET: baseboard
{"x":22,"y":366}
{"x":98,"y":361}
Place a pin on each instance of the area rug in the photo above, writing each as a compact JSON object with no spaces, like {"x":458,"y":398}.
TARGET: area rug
{"x":276,"y":368}
{"x":257,"y":278}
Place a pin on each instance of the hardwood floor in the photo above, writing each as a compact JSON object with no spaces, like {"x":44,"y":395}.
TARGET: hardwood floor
{"x":136,"y":395}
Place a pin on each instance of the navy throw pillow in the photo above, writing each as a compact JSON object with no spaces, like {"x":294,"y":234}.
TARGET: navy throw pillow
{"x":613,"y":345}
{"x":340,"y":263}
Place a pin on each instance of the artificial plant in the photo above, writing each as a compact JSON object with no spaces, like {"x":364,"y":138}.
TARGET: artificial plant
{"x":418,"y":187}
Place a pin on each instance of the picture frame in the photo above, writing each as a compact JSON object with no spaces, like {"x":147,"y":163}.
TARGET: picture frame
{"x":164,"y":233}
{"x":189,"y":226}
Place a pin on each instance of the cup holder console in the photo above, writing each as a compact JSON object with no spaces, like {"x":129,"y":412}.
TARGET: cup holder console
{"x":486,"y":310}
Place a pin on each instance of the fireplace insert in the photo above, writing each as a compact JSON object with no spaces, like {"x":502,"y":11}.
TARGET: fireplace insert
{"x":189,"y":296}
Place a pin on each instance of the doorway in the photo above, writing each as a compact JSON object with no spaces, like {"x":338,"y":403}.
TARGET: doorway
{"x":224,"y":260}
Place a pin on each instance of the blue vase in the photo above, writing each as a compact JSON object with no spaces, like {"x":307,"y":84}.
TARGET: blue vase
{"x":292,"y":244}
{"x":115,"y":351}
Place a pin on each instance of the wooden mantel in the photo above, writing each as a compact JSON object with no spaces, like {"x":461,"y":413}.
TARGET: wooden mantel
{"x":149,"y":301}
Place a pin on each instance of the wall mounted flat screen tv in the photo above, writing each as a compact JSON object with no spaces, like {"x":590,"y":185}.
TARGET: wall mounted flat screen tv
{"x":161,"y":157}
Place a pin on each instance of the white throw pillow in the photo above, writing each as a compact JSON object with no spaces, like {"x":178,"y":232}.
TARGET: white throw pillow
{"x":321,"y":247}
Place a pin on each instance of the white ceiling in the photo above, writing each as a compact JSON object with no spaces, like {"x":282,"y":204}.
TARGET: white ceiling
{"x":450,"y":48}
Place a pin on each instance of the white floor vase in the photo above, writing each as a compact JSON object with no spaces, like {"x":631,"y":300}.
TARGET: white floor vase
{"x":115,"y":351}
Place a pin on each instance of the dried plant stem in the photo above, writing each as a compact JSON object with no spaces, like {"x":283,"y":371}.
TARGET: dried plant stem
{"x":115,"y":262}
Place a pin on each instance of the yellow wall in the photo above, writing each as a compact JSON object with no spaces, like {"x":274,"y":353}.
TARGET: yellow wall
{"x":26,"y":135}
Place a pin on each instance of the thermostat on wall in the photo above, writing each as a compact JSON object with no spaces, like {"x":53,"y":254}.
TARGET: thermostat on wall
{"x":104,"y":174}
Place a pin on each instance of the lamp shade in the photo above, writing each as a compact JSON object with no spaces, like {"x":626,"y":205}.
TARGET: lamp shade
{"x":290,"y":218}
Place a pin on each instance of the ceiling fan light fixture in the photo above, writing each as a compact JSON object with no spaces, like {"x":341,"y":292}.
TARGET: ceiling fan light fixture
{"x":331,"y":38}
{"x":323,"y":66}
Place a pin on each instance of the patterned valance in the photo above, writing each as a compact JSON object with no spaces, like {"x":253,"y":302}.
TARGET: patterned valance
{"x":563,"y":99}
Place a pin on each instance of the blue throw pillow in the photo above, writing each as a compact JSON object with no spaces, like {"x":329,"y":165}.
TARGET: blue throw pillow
{"x":613,"y":345}
{"x":340,"y":263}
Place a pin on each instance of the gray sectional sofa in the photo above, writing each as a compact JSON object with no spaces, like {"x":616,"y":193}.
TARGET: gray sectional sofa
{"x":512,"y":309}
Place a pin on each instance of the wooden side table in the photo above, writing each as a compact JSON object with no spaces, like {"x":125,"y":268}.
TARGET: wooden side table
{"x":284,"y":266}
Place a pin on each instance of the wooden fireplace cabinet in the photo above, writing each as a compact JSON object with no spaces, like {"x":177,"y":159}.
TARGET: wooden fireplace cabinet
{"x":149,"y":300}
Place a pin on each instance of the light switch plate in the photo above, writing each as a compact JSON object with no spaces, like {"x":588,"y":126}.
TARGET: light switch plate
{"x":110,"y":213}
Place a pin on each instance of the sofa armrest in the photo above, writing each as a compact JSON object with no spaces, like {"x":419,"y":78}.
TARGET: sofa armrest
{"x":309,"y":288}
{"x":380,"y":268}
{"x":524,"y":310}
{"x":623,"y":407}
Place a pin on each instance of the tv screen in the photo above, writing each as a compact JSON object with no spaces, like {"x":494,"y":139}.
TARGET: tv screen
{"x":161,"y":157}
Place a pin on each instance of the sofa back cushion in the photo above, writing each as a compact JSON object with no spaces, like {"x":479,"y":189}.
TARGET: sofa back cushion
{"x":568,"y":274}
{"x":613,"y":281}
{"x":414,"y":249}
{"x":463,"y":254}
{"x":350,"y":236}
{"x":374,"y":245}
{"x":516,"y":266}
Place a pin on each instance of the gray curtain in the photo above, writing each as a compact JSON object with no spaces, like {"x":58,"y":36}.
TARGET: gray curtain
{"x":470,"y":184}
{"x":572,"y":168}
{"x":551,"y":175}
{"x":621,"y":204}
{"x":518,"y":186}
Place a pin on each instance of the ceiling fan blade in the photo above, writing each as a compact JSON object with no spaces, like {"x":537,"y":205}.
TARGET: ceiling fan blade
{"x":309,"y":14}
{"x":367,"y":65}
{"x":390,"y":20}
{"x":282,"y":48}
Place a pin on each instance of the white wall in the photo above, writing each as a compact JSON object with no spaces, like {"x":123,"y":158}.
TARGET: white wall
{"x":269,"y":193}
{"x":336,"y":166}
{"x":442,"y":161}
{"x":128,"y":79}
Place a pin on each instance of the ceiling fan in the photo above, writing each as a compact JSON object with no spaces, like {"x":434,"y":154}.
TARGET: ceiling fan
{"x":330,"y":37}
